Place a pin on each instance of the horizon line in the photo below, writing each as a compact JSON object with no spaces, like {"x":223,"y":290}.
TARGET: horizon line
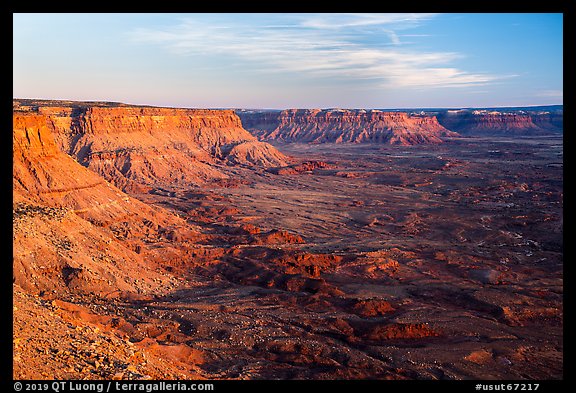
{"x":286,"y":108}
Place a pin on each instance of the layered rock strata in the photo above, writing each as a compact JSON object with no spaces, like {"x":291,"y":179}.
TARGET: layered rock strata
{"x":344,"y":126}
{"x":483,"y":122}
{"x":137,"y":148}
{"x":72,"y":229}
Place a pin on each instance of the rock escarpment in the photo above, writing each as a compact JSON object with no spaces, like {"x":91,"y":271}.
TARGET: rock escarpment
{"x":73,"y":230}
{"x":404,"y":128}
{"x":344,"y":126}
{"x":74,"y":227}
{"x":502,"y":122}
{"x":140,"y":147}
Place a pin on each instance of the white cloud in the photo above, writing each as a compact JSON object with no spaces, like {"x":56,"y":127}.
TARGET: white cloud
{"x":551,"y":93}
{"x":327,"y":45}
{"x":339,"y":21}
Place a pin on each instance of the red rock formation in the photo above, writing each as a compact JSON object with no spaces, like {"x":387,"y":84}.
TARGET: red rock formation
{"x":255,"y":152}
{"x":396,"y":331}
{"x":72,"y":229}
{"x":500,"y":122}
{"x":140,"y":147}
{"x":372,"y":308}
{"x":277,"y":236}
{"x":303,"y":167}
{"x":344,"y":126}
{"x":88,"y":234}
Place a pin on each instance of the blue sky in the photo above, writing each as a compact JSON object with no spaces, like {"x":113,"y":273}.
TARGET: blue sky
{"x":291,"y":60}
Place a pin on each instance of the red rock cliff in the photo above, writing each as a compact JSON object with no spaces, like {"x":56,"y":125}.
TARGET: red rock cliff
{"x":72,"y":228}
{"x":344,"y":126}
{"x":140,"y":147}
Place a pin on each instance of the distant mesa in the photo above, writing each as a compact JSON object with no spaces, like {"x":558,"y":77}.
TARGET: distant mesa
{"x":344,"y":126}
{"x":409,"y":127}
{"x":504,"y":121}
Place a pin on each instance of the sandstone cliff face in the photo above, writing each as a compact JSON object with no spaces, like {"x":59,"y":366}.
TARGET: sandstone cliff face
{"x":137,"y":148}
{"x":501,"y":123}
{"x":71,"y":228}
{"x":344,"y":126}
{"x":74,"y":227}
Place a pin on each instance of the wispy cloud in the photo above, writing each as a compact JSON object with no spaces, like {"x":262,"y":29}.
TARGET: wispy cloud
{"x":551,"y":93}
{"x":342,"y":20}
{"x":327,"y":45}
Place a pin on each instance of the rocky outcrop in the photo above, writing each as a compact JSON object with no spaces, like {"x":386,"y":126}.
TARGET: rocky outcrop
{"x":254,"y":153}
{"x":303,"y":167}
{"x":344,"y":126}
{"x":137,"y":148}
{"x":73,"y":230}
{"x":74,"y":227}
{"x":487,"y":122}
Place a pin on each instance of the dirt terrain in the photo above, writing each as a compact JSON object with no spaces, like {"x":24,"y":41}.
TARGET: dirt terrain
{"x":363,"y":261}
